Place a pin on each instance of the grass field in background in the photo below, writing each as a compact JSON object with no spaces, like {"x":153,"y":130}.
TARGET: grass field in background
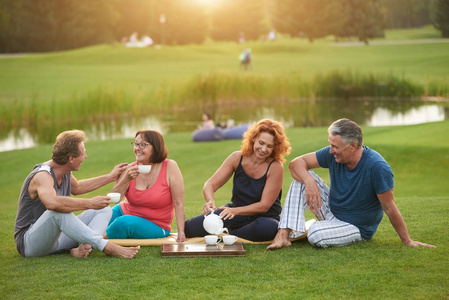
{"x":378,"y":269}
{"x":75,"y":72}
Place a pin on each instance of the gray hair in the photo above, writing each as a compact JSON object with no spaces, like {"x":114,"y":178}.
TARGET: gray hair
{"x":349,"y":131}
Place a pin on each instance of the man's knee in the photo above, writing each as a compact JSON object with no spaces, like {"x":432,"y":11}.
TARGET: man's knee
{"x":322,"y":235}
{"x":56,"y":216}
{"x":316,"y":237}
{"x":107,"y":210}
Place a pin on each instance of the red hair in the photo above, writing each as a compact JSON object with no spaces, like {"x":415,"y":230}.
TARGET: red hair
{"x":281,"y":144}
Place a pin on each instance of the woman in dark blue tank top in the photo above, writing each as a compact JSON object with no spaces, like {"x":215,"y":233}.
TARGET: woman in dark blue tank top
{"x":255,"y":206}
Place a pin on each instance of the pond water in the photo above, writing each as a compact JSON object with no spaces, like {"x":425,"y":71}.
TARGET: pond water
{"x":299,"y":113}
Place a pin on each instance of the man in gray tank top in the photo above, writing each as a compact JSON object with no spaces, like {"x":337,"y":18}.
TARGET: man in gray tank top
{"x":45,"y":222}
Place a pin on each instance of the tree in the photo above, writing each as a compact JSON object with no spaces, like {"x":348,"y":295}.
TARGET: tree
{"x":311,"y":18}
{"x":134,"y":16}
{"x":230,"y":18}
{"x":360,"y":18}
{"x":288,"y":17}
{"x":440,"y":16}
{"x":9,"y":25}
{"x":406,"y":13}
{"x":48,"y":25}
{"x":52,"y":25}
{"x":318,"y":18}
{"x":185,"y":22}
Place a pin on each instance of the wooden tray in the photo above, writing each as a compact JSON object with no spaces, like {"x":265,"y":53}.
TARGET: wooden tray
{"x":202,"y":250}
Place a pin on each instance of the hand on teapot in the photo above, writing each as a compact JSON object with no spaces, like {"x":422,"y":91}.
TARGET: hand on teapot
{"x":227,"y":213}
{"x":208,"y":207}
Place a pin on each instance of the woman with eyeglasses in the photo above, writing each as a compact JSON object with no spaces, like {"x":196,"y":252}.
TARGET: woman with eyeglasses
{"x":151,"y":199}
{"x":255,"y":207}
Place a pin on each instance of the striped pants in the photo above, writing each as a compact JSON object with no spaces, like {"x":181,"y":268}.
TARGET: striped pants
{"x":328,"y":231}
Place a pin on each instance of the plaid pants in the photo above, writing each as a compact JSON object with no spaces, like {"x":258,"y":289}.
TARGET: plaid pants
{"x":328,"y":231}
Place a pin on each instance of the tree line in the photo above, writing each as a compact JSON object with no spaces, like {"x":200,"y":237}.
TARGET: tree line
{"x":53,"y":25}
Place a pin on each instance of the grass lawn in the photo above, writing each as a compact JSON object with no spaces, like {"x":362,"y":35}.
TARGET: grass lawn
{"x":378,"y":269}
{"x":113,"y":67}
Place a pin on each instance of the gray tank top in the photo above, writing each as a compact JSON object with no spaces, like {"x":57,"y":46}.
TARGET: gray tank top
{"x":29,"y":210}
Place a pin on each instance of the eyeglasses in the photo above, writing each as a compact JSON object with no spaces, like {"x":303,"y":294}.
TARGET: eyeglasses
{"x":140,"y":145}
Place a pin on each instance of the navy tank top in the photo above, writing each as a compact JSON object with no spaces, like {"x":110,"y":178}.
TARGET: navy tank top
{"x":247,"y":190}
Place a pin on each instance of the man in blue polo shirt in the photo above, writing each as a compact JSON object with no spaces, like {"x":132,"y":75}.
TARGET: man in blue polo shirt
{"x":350,"y":211}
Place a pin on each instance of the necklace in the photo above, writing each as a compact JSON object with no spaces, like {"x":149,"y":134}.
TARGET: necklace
{"x":151,"y":177}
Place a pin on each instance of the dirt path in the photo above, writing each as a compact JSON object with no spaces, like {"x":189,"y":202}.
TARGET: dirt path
{"x":7,"y":55}
{"x":383,"y":42}
{"x":338,"y":44}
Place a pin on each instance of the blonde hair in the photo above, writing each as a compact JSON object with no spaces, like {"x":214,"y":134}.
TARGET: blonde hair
{"x":281,"y":143}
{"x":66,"y":145}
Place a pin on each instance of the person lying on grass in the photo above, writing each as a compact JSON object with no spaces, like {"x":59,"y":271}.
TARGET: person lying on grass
{"x":45,"y":222}
{"x":253,"y":213}
{"x":350,"y":211}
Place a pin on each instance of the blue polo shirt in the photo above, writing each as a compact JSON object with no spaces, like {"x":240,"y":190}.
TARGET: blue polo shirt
{"x":353,"y":193}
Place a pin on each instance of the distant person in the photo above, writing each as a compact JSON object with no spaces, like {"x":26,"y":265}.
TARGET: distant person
{"x":241,"y":38}
{"x":134,"y":38}
{"x":208,"y":122}
{"x":230,"y":123}
{"x":242,"y":59}
{"x":249,"y":59}
{"x":257,"y":172}
{"x":45,"y":222}
{"x":350,"y":211}
{"x":245,"y":59}
{"x":272,"y":35}
{"x":132,"y":41}
{"x":150,"y":198}
{"x":146,"y":41}
{"x":226,"y":125}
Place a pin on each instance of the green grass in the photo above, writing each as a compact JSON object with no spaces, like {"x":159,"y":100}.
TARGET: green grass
{"x":379,"y":269}
{"x":425,"y":32}
{"x":64,"y":74}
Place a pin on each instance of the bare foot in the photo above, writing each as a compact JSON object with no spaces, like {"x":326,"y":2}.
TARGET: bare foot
{"x":281,"y":239}
{"x":83,"y":250}
{"x":112,"y":249}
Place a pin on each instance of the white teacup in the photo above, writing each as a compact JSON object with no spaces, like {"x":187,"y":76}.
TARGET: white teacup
{"x":229,"y":239}
{"x":144,"y":168}
{"x":212,"y":239}
{"x":115,"y":197}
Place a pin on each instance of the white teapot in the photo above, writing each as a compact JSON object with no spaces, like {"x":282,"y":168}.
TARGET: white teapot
{"x":213,"y":224}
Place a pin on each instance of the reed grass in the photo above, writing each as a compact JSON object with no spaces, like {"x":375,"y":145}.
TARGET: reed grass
{"x":212,"y":90}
